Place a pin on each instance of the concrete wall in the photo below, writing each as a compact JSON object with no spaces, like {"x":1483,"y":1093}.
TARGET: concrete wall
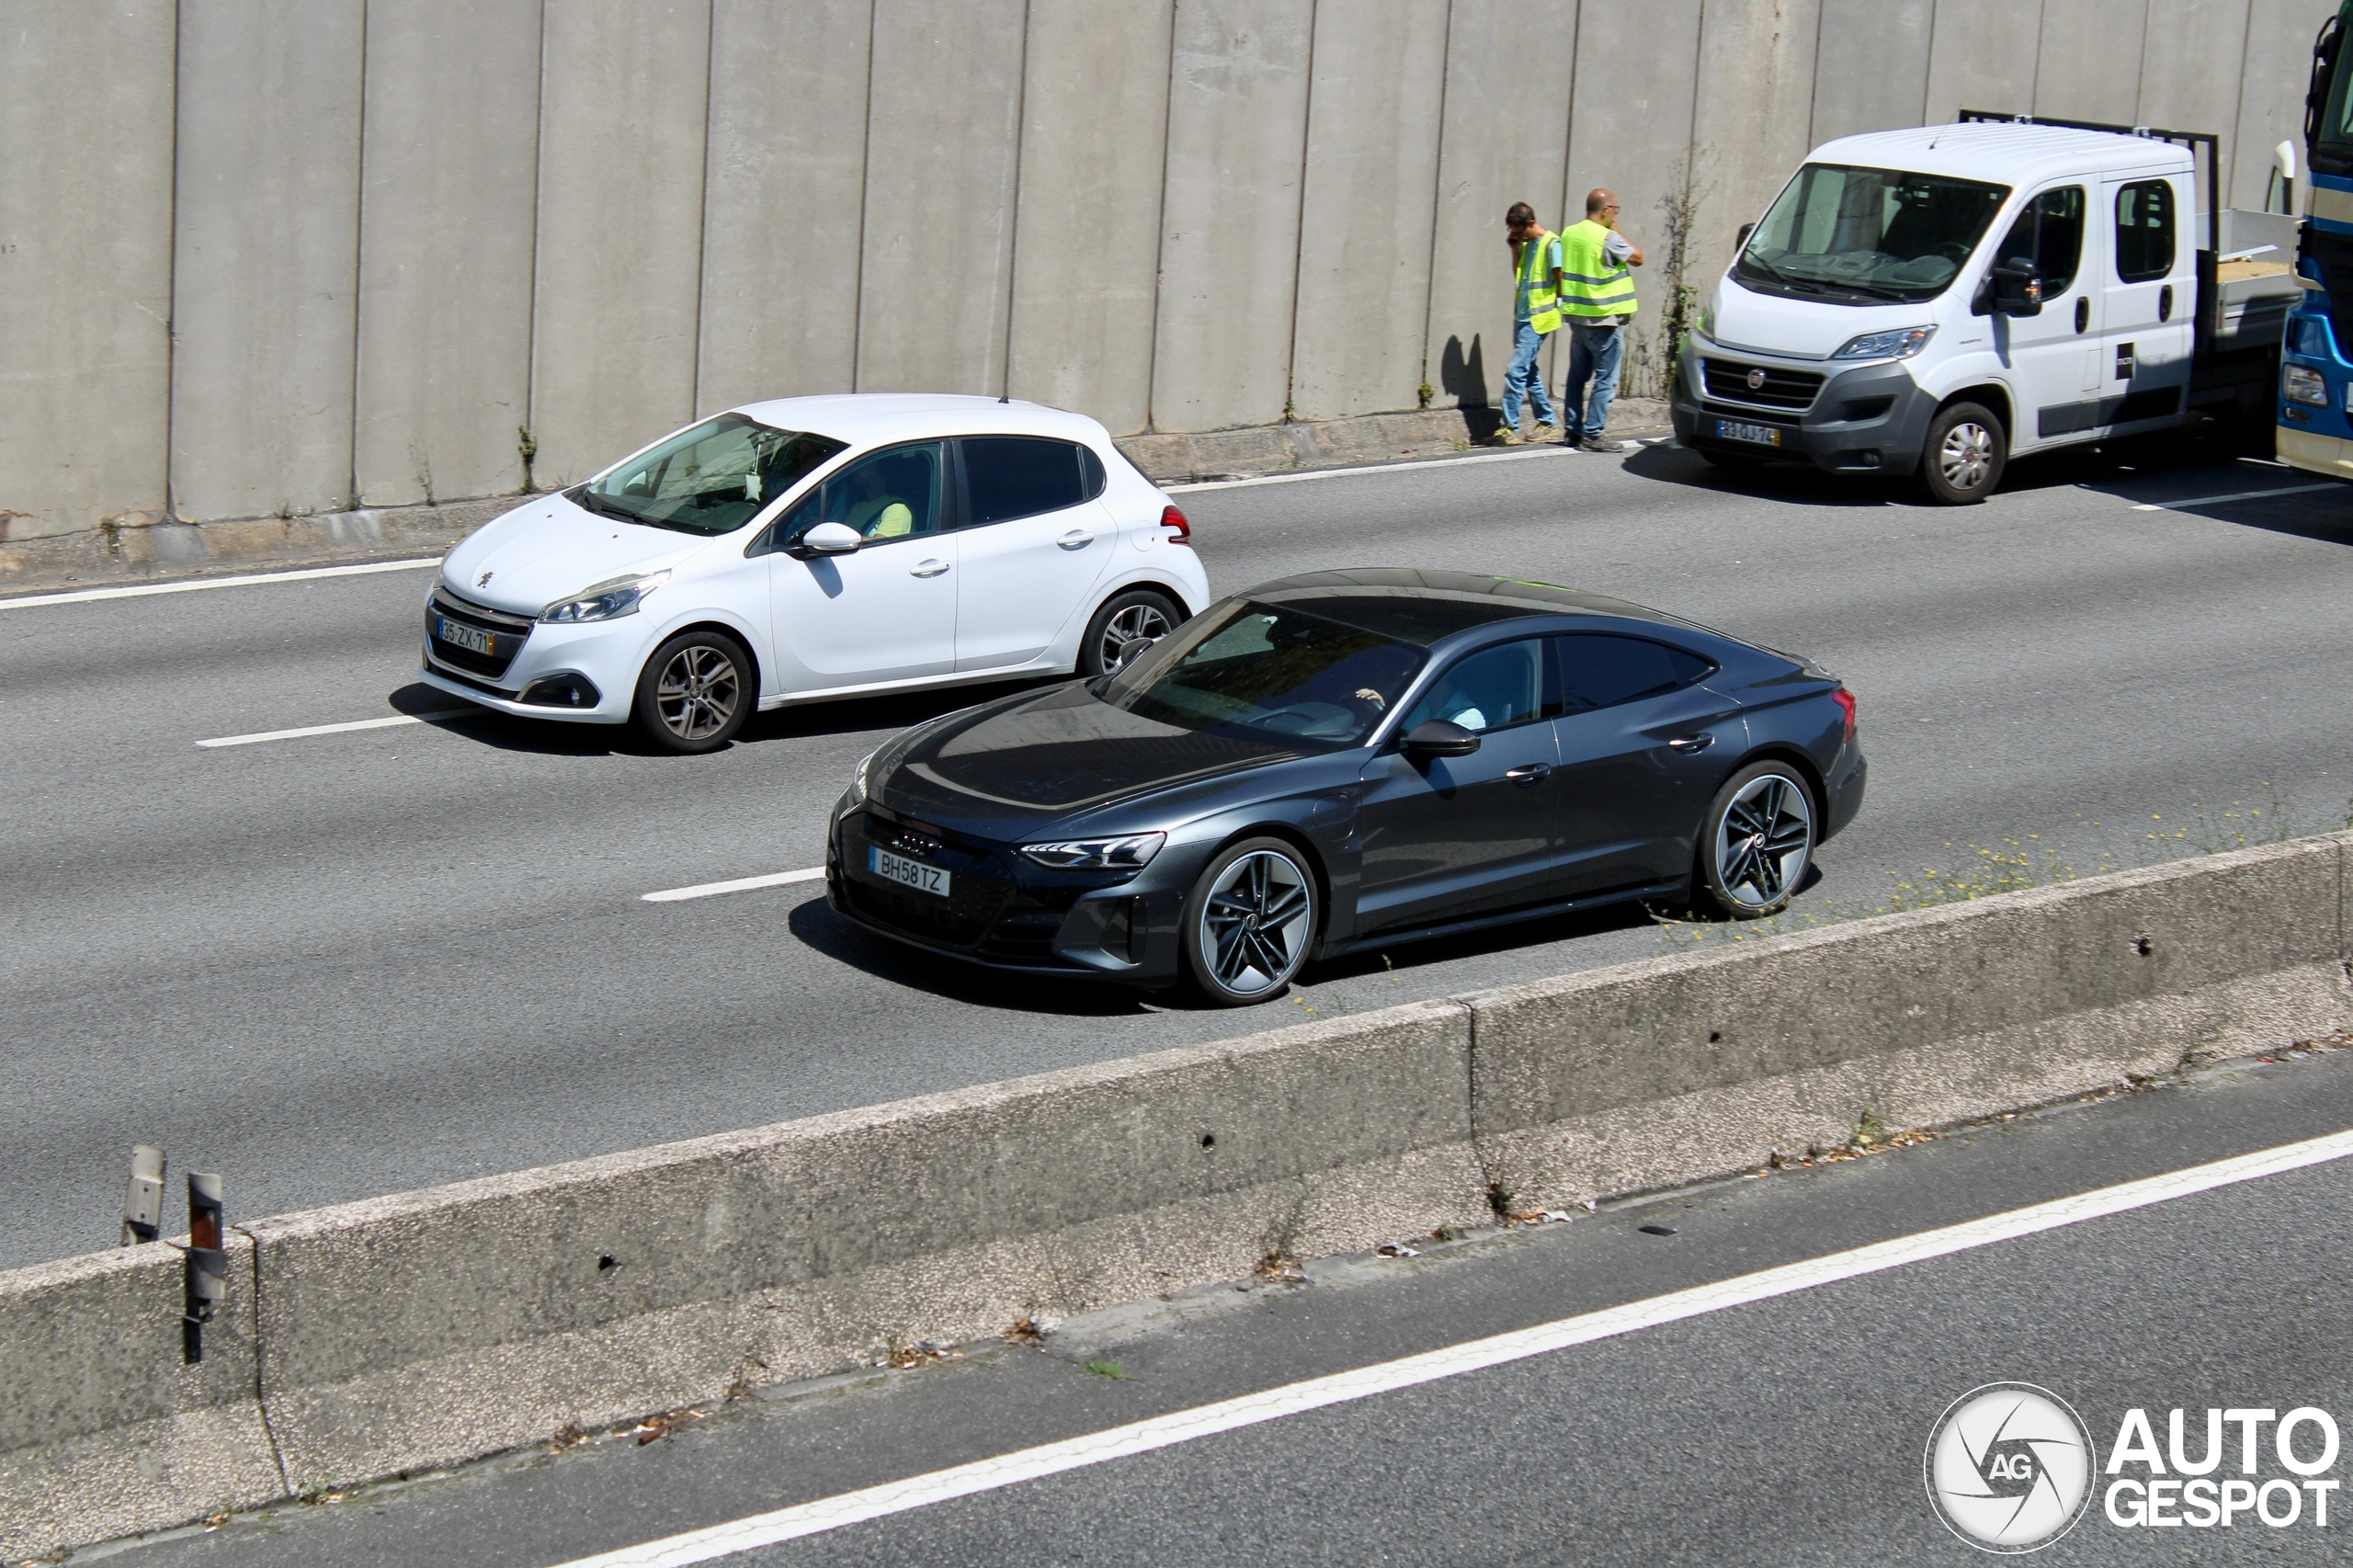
{"x":390,"y":239}
{"x":434,"y":1326}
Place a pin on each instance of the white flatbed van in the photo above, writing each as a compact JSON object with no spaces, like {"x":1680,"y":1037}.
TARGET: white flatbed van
{"x":1931,"y":301}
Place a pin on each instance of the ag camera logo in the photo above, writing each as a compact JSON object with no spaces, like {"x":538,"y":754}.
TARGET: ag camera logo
{"x":2009,"y":1467}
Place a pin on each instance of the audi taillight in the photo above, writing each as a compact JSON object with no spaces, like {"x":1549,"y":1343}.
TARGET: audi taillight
{"x":1845,"y":700}
{"x":1180,"y":531}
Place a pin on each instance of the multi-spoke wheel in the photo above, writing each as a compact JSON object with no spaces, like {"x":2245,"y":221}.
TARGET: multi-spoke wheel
{"x":1139,"y":612}
{"x":694,"y":693}
{"x":1757,"y":841}
{"x":1250,"y":922}
{"x":1966,"y":450}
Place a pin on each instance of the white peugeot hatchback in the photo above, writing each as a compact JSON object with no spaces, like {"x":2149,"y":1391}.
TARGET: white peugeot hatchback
{"x":813,"y":547}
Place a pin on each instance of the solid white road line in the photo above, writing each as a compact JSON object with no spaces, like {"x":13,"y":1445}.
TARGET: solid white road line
{"x":341,"y":729}
{"x":83,"y":596}
{"x":2241,"y":495}
{"x":1542,"y":451}
{"x":741,"y":884}
{"x":1271,"y":1405}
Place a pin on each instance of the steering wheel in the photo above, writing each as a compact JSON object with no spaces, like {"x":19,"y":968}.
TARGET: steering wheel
{"x":1306,"y":718}
{"x":1951,"y":250}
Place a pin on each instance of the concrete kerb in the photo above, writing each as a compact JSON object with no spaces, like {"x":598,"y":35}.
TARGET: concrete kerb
{"x":427,"y":1328}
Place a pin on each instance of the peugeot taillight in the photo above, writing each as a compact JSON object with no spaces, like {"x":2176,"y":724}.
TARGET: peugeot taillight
{"x":1845,"y":700}
{"x":1180,"y":531}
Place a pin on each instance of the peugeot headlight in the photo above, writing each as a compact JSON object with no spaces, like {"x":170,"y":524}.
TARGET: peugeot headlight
{"x":1901,"y":343}
{"x":1130,"y":854}
{"x":2301,"y":384}
{"x":606,"y":600}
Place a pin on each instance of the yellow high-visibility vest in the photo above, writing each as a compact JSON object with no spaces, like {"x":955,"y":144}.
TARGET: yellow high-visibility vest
{"x":1536,"y":284}
{"x":1591,"y":286}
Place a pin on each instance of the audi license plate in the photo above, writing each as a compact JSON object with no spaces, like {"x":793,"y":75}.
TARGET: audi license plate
{"x":1734,"y":430}
{"x":457,"y":634}
{"x":905,"y":872}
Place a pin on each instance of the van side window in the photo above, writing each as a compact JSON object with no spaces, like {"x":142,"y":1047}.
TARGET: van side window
{"x":2049,"y":234}
{"x":2143,"y":231}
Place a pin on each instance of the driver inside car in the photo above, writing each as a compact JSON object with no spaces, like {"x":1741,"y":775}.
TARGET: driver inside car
{"x":874,"y":512}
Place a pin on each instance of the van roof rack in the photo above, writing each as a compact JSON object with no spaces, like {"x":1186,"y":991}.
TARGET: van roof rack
{"x":2193,"y":140}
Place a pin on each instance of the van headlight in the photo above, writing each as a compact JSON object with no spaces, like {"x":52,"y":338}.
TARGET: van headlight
{"x":1130,"y":854}
{"x":2301,"y":384}
{"x":608,"y":600}
{"x":1899,"y":343}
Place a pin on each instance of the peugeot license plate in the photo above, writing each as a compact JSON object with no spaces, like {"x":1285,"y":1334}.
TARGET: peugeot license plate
{"x":1734,"y":430}
{"x":905,"y":872}
{"x":460,"y":635}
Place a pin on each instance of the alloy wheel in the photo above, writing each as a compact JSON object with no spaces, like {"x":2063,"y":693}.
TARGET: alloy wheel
{"x":1255,"y":922}
{"x":1966,"y":457}
{"x":698,"y":692}
{"x":1135,"y":620}
{"x":1763,"y":839}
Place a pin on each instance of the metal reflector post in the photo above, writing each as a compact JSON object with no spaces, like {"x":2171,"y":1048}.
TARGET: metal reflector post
{"x":207,"y":1264}
{"x":143,"y":1200}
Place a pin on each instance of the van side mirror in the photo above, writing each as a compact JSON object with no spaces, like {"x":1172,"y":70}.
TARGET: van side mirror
{"x":828,"y":538}
{"x":2018,"y":289}
{"x":1740,"y":241}
{"x":1437,"y":738}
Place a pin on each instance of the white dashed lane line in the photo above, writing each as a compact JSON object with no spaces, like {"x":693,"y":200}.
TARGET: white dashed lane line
{"x":257,"y":738}
{"x":144,"y":590}
{"x":741,"y":884}
{"x":2239,"y":496}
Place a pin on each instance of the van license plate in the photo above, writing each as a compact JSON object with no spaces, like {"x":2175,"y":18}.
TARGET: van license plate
{"x":905,"y":872}
{"x":1734,"y":430}
{"x":460,"y":635}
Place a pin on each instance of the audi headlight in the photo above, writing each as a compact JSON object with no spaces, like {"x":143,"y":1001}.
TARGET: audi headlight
{"x":1130,"y":854}
{"x":608,"y":600}
{"x":859,"y":776}
{"x":2301,"y":384}
{"x":1901,"y":343}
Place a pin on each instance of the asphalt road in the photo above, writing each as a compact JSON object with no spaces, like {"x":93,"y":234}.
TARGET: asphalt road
{"x":362,"y":962}
{"x":1784,"y":1431}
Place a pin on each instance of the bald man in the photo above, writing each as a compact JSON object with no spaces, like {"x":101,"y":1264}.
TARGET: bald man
{"x":1597,"y":299}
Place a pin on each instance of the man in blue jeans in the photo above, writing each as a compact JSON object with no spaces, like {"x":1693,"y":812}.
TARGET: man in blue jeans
{"x":1598,"y":297}
{"x":1536,"y":264}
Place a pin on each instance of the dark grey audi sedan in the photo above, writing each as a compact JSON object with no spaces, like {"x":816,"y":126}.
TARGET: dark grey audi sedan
{"x":1349,"y":760}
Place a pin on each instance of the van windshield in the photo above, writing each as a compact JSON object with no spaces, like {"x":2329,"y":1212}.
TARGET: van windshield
{"x":1859,"y":236}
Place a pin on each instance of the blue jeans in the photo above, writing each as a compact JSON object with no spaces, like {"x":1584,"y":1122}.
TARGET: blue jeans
{"x":1595,"y":355}
{"x":1524,"y":377}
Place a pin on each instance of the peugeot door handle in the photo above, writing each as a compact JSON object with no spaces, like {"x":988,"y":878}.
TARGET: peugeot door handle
{"x":931,"y":568}
{"x":1077,"y":538}
{"x":1687,"y":743}
{"x":1534,"y":773}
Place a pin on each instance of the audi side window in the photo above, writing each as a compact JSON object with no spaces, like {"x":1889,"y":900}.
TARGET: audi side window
{"x":2049,"y":234}
{"x":1021,"y":476}
{"x":2143,"y":231}
{"x":1598,"y":670}
{"x":1494,"y":689}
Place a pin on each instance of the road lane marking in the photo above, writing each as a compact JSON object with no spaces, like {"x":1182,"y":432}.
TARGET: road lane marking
{"x":341,"y":729}
{"x":2241,"y":495}
{"x":1315,"y":1393}
{"x":741,"y":884}
{"x":83,"y":596}
{"x":1542,"y":451}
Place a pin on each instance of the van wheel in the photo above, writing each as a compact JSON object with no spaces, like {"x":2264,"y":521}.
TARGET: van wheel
{"x":1966,"y":451}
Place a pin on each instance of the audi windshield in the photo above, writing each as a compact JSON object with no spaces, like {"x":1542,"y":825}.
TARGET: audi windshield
{"x":1862,"y":236}
{"x":1265,"y":672}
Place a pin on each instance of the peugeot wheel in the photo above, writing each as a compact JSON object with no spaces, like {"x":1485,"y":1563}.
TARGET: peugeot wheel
{"x":1964,"y":455}
{"x":1250,"y":922}
{"x":695,"y":692}
{"x":1139,"y":612}
{"x":1757,"y":841}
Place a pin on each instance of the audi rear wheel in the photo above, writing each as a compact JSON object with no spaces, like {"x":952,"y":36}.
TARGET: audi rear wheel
{"x":694,"y":693}
{"x":1757,"y":841}
{"x":1250,"y":922}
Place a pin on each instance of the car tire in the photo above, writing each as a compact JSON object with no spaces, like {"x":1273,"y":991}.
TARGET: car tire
{"x":1231,"y":960}
{"x":1756,"y":843}
{"x":1964,"y":455}
{"x":1139,"y":612}
{"x":695,"y":692}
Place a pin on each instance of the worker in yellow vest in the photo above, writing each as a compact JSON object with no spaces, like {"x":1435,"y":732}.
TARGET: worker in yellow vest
{"x":1598,"y":297}
{"x":1536,"y":263}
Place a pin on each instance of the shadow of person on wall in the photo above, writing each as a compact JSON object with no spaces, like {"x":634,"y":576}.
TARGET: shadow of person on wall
{"x":1462,"y":376}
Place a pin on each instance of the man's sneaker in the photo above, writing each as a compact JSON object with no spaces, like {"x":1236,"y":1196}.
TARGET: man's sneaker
{"x":1546,"y":431}
{"x":1504,"y":436}
{"x":1595,"y":444}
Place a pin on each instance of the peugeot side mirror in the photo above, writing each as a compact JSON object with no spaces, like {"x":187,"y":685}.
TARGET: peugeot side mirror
{"x":2018,"y":289}
{"x":828,"y":538}
{"x":1435,"y":737}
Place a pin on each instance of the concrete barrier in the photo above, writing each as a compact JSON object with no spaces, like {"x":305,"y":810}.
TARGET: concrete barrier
{"x":429,"y":1327}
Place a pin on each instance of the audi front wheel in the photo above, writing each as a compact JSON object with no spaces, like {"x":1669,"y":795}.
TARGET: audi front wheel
{"x":1250,"y":922}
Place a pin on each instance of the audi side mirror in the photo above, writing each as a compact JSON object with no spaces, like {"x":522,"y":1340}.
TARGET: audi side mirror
{"x":828,"y":538}
{"x":1130,"y":649}
{"x":2018,"y":289}
{"x":1437,"y":738}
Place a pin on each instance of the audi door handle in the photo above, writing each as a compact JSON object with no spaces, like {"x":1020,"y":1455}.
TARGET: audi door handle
{"x":931,"y":568}
{"x":1534,"y":773}
{"x":1077,"y":538}
{"x":1692,"y":743}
